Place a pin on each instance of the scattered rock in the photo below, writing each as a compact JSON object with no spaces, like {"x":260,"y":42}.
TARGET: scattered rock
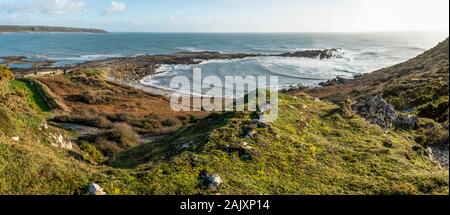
{"x":214,"y":181}
{"x":60,"y":142}
{"x":43,"y":126}
{"x":247,"y":147}
{"x":334,"y":81}
{"x":210,"y":181}
{"x":251,"y":134}
{"x":16,"y":139}
{"x":96,"y":190}
{"x":290,"y":88}
{"x":440,"y":153}
{"x":429,"y":153}
{"x":185,"y":146}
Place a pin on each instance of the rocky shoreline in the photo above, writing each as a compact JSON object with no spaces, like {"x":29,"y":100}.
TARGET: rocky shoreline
{"x":22,"y":60}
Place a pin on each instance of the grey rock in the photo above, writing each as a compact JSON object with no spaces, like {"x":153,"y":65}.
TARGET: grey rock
{"x":185,"y":146}
{"x":440,"y":153}
{"x":210,"y":181}
{"x":214,"y":181}
{"x":60,"y":142}
{"x":96,"y":190}
{"x":318,"y":54}
{"x":378,"y":111}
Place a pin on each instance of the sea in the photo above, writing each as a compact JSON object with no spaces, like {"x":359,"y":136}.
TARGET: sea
{"x":359,"y":52}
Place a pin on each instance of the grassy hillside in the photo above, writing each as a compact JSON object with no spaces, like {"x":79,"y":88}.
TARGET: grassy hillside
{"x":30,"y":165}
{"x":311,"y":149}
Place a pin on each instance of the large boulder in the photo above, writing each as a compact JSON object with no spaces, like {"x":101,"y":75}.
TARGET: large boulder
{"x":378,"y":111}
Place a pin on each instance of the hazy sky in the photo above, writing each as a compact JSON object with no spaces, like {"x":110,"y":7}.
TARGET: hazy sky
{"x":232,"y":15}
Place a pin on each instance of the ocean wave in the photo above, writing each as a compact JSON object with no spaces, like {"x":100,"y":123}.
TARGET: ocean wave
{"x":410,"y":48}
{"x":190,"y":49}
{"x":83,"y":58}
{"x":291,"y":71}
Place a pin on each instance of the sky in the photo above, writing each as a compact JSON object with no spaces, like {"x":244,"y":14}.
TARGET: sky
{"x":231,"y":15}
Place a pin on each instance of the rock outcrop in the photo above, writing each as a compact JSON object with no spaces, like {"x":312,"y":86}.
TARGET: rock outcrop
{"x":320,"y":54}
{"x":378,"y":111}
{"x":60,"y":142}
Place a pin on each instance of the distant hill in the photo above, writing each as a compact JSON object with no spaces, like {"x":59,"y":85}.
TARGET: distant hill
{"x":19,"y":28}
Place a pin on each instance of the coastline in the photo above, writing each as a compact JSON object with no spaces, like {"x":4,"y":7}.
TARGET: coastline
{"x":131,"y":70}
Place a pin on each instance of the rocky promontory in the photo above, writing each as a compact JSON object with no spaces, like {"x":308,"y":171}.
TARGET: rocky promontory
{"x":23,"y":28}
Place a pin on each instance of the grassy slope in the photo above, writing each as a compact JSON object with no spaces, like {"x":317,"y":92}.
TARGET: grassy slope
{"x":31,"y":165}
{"x":319,"y":152}
{"x":34,"y":97}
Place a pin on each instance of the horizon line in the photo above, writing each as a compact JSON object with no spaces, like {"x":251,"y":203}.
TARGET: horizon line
{"x":286,"y":32}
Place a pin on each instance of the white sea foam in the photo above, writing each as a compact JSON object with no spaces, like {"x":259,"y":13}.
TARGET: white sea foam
{"x":77,"y":58}
{"x":291,"y":71}
{"x":190,"y":49}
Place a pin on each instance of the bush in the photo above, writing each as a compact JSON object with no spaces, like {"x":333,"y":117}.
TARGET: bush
{"x":93,"y":153}
{"x":97,"y":98}
{"x":124,"y":135}
{"x":94,"y":121}
{"x":432,"y":134}
{"x":437,"y":110}
{"x":5,"y":73}
{"x":346,"y":108}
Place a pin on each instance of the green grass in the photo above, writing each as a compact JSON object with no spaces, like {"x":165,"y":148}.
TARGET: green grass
{"x":34,"y":97}
{"x":318,"y":152}
{"x":37,"y":169}
{"x":32,"y":165}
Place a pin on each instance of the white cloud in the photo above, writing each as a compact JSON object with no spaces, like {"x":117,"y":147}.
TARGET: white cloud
{"x":115,"y":7}
{"x":45,"y":7}
{"x":63,"y":7}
